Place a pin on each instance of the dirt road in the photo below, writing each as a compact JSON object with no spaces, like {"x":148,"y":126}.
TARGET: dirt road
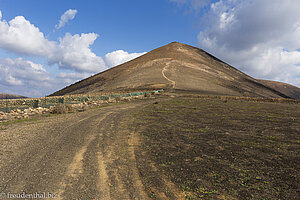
{"x":88,"y":155}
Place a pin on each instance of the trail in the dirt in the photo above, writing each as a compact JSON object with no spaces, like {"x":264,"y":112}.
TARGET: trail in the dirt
{"x":163,"y":73}
{"x":87,"y":155}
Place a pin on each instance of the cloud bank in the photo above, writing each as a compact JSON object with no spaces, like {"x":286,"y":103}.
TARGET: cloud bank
{"x":71,"y":52}
{"x":20,"y":36}
{"x":261,"y":38}
{"x":24,"y":76}
{"x":67,"y":16}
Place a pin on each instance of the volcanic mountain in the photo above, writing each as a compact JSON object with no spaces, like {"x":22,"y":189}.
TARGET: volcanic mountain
{"x":11,"y":96}
{"x":175,"y":66}
{"x":284,"y":88}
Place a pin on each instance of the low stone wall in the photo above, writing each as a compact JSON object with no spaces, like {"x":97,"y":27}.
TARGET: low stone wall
{"x":68,"y":99}
{"x":61,"y":107}
{"x":23,"y":114}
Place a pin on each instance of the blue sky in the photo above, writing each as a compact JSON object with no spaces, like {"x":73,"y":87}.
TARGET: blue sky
{"x":46,"y":45}
{"x":135,"y":25}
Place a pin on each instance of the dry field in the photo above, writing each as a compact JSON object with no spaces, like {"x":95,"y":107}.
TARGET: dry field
{"x":170,"y":147}
{"x":220,"y":149}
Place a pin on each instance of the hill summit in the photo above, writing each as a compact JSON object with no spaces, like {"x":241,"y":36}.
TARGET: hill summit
{"x":175,"y":66}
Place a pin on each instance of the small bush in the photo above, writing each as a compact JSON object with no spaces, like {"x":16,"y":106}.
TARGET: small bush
{"x":147,"y":95}
{"x":82,"y":108}
{"x":118,"y":99}
{"x":61,"y":109}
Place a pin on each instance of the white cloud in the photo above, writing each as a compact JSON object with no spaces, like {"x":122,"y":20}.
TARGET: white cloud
{"x":20,"y":36}
{"x":24,"y":77}
{"x":19,"y":71}
{"x":118,"y":57}
{"x":74,"y":52}
{"x":261,"y":38}
{"x":27,"y":78}
{"x":71,"y":52}
{"x":67,"y":16}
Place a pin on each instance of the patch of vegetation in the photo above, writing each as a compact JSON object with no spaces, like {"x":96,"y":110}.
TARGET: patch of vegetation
{"x":62,"y":109}
{"x":6,"y":123}
{"x":213,"y":149}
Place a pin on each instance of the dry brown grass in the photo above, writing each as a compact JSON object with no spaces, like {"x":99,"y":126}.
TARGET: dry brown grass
{"x":62,"y":109}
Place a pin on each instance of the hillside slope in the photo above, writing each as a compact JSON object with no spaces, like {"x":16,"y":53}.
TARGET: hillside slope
{"x":284,"y":88}
{"x":174,"y":66}
{"x":10,"y":96}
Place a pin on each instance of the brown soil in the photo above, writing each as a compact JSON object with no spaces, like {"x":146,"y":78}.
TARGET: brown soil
{"x":284,"y":88}
{"x":220,"y":149}
{"x":86,"y":155}
{"x":171,"y":147}
{"x":174,"y":66}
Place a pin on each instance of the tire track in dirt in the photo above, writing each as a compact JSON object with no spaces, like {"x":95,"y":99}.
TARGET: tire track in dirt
{"x":89,"y":155}
{"x":86,"y":155}
{"x":103,"y":181}
{"x":75,"y":169}
{"x":107,"y":158}
{"x":123,"y":176}
{"x":31,"y":155}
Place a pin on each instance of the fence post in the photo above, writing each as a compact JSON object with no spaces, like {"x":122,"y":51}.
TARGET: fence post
{"x":45,"y":101}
